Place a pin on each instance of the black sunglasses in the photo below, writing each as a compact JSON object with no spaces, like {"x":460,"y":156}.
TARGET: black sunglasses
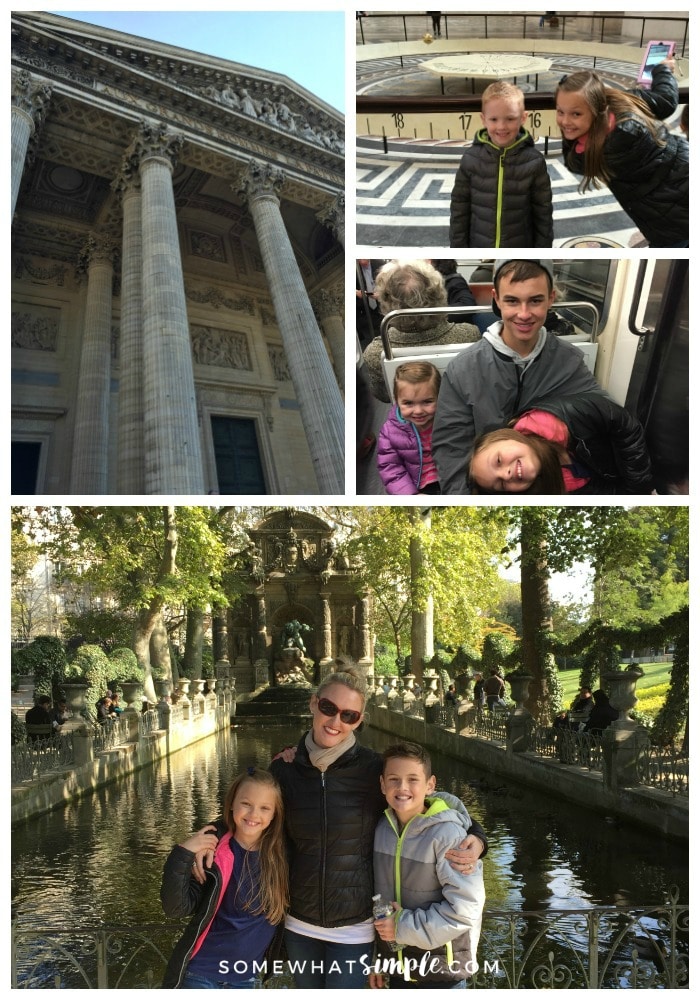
{"x":347,"y":715}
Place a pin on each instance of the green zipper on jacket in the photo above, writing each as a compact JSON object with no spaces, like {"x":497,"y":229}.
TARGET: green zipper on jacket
{"x":440,"y":806}
{"x":501,"y":177}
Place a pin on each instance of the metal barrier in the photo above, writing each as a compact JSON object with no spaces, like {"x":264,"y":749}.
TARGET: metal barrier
{"x":664,"y":768}
{"x":149,"y":722}
{"x":601,"y":947}
{"x":109,"y":734}
{"x":34,"y":759}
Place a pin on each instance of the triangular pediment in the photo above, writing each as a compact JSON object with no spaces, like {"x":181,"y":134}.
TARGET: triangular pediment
{"x":123,"y":68}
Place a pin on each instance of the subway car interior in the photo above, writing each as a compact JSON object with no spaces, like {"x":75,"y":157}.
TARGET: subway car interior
{"x":628,"y":317}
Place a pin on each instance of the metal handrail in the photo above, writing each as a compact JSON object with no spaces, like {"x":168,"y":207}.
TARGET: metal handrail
{"x":467,"y":310}
{"x":595,"y":947}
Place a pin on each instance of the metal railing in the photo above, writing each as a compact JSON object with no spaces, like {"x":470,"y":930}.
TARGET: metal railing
{"x":149,"y":722}
{"x":499,"y":26}
{"x":664,"y":768}
{"x":109,"y":734}
{"x":567,"y":746}
{"x":35,"y":758}
{"x":606,"y":947}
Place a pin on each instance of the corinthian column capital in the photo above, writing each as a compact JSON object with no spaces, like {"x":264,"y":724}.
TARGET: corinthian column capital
{"x":30,"y":96}
{"x":154,"y":139}
{"x":98,"y":247}
{"x":333,"y":216}
{"x":260,"y":180}
{"x":326,"y":304}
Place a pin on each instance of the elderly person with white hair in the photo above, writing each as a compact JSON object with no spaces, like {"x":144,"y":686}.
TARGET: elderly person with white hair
{"x":412,"y":284}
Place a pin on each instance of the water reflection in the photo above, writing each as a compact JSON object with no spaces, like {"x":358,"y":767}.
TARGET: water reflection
{"x":100,"y":859}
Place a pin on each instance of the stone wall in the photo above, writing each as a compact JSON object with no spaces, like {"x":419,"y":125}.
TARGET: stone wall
{"x":56,"y":788}
{"x":649,"y":807}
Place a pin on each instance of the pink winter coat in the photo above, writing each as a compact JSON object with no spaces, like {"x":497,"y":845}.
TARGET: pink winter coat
{"x":399,"y":455}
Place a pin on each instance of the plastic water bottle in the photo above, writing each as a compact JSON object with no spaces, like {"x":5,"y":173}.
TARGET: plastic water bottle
{"x":381,"y":910}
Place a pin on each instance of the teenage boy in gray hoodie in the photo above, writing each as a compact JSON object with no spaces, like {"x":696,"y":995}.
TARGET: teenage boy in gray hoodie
{"x":516,"y":363}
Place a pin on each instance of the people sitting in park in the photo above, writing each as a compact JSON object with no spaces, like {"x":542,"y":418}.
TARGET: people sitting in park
{"x":479,"y":696}
{"x":39,"y":715}
{"x":117,"y":706}
{"x":411,"y":284}
{"x":59,"y":713}
{"x":602,"y":714}
{"x":104,"y":710}
{"x":582,"y":705}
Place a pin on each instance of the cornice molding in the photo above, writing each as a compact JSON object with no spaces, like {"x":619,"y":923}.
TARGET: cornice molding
{"x":220,"y":101}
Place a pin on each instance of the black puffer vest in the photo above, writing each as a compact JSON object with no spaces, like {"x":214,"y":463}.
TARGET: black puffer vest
{"x":330,"y":819}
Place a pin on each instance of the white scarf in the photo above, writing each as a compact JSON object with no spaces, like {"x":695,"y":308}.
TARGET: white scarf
{"x":323,"y":757}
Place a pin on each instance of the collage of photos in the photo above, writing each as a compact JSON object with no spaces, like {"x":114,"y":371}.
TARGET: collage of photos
{"x":352,"y":738}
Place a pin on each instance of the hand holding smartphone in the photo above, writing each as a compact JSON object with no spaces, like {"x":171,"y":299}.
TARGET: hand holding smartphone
{"x":656,"y":52}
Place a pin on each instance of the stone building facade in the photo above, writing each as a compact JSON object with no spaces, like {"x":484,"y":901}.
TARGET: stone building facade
{"x":177,"y":283}
{"x":295,"y":575}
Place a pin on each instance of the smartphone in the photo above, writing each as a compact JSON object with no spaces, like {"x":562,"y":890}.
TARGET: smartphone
{"x":656,"y":52}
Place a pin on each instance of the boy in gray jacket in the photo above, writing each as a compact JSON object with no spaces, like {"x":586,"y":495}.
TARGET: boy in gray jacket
{"x":437,"y":910}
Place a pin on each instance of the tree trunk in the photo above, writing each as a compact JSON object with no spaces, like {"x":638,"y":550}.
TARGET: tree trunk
{"x":194,"y":640}
{"x":422,"y":647}
{"x":159,"y":645}
{"x":534,"y":594}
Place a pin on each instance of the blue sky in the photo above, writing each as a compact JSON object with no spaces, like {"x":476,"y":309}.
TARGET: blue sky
{"x":307,"y":46}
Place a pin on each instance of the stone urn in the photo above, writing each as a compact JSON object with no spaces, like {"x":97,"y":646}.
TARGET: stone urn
{"x":621,"y":685}
{"x":75,"y":695}
{"x":130,"y":690}
{"x":519,"y":690}
{"x":198,"y":685}
{"x":211,"y":684}
{"x":164,"y":688}
{"x":184,"y":686}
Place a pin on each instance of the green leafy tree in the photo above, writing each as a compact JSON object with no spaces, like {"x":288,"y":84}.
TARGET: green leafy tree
{"x":457,"y":569}
{"x":144,"y":558}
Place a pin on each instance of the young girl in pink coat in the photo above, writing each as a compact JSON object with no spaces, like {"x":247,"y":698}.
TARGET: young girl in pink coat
{"x":404,"y":452}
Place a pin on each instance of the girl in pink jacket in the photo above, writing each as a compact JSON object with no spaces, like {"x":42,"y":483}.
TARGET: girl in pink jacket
{"x":404,"y":452}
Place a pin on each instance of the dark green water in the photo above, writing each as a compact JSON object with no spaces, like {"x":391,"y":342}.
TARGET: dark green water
{"x":100,"y":860}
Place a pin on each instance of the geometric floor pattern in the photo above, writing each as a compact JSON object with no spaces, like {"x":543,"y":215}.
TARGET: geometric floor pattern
{"x":403,"y":197}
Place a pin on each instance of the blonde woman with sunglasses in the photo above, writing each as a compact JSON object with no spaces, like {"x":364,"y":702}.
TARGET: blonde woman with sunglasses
{"x":333,"y":800}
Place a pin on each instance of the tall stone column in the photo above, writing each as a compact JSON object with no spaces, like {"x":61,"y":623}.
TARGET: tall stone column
{"x":333,"y":216}
{"x":329,"y":309}
{"x":366,"y":658}
{"x":173,"y":460}
{"x":91,"y":430}
{"x":29,"y":101}
{"x":315,"y":387}
{"x":325,"y":617}
{"x":130,"y":450}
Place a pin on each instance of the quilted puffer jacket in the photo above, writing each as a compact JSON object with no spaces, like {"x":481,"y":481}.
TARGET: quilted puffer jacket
{"x":330,"y":818}
{"x":399,"y":455}
{"x":649,"y":181}
{"x":502,"y":197}
{"x":606,"y":439}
